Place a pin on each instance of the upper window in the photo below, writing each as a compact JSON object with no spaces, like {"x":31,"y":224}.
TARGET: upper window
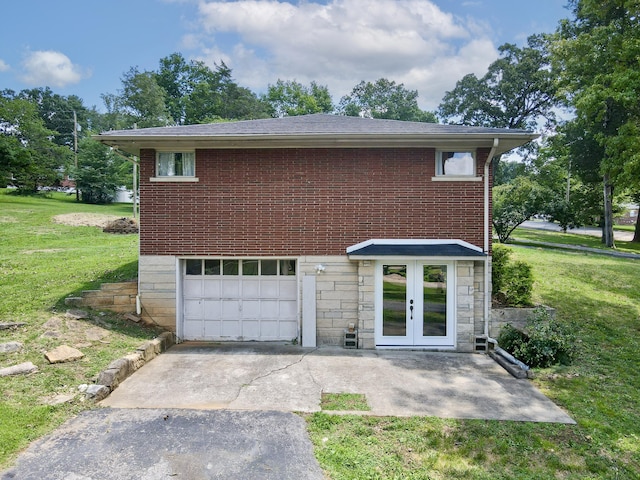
{"x":176,"y":164}
{"x":455,"y":163}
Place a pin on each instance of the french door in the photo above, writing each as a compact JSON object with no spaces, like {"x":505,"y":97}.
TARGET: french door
{"x":415,"y":304}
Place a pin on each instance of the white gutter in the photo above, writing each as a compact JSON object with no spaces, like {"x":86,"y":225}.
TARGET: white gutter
{"x":487,"y":239}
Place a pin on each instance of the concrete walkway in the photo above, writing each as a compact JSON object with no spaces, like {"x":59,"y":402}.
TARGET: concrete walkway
{"x":266,"y":376}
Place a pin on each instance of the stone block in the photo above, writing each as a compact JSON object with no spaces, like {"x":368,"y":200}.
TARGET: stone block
{"x":63,"y":354}
{"x":20,"y":369}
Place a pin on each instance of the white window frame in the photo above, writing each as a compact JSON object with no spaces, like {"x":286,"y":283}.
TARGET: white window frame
{"x":441,"y":175}
{"x":174,"y":178}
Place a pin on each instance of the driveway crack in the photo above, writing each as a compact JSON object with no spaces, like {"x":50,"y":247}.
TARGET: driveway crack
{"x":276,"y":370}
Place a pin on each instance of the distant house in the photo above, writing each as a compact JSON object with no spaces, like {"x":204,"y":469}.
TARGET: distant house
{"x":300,"y":227}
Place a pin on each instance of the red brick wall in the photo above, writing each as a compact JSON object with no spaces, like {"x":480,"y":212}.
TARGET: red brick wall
{"x":304,"y":201}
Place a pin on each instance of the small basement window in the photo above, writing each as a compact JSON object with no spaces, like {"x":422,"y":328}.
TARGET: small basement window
{"x":455,"y":164}
{"x":176,"y":164}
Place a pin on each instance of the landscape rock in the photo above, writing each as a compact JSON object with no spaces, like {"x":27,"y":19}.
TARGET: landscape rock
{"x":10,"y":347}
{"x":20,"y":369}
{"x":132,"y":317}
{"x":77,"y":314}
{"x":8,"y":325}
{"x":97,"y":392}
{"x":63,"y":354}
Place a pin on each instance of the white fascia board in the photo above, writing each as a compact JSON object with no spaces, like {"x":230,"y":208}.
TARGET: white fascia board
{"x":409,"y":241}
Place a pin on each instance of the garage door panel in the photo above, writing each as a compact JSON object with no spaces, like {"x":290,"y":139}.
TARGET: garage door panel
{"x":230,"y":310}
{"x":193,"y":309}
{"x":289,"y":329}
{"x":193,"y":329}
{"x":288,"y":290}
{"x":250,"y":309}
{"x":192,"y":287}
{"x":288,"y":309}
{"x":269,"y":309}
{"x":270,"y":329}
{"x":230,"y":289}
{"x":269,"y":289}
{"x":231,"y":329}
{"x":250,"y":329}
{"x":212,"y":329}
{"x":212,"y":309}
{"x":250,"y":288}
{"x":211,"y":288}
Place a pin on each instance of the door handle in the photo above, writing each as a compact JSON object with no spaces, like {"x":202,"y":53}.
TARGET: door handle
{"x":411,"y":308}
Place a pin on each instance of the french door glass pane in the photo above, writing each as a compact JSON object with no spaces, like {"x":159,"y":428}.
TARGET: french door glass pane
{"x":434,"y":322}
{"x":394,"y":300}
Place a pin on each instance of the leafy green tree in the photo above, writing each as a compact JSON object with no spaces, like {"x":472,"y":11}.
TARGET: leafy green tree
{"x":99,"y":174}
{"x":514,"y":203}
{"x":142,"y":100}
{"x":596,"y":56}
{"x":28,"y":157}
{"x":518,"y":91}
{"x":384,"y":99}
{"x":292,"y":98}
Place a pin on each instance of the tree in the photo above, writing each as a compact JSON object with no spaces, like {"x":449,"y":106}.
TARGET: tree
{"x":292,"y":98}
{"x":517,"y":91}
{"x":384,"y":99}
{"x":514,"y":203}
{"x":143,"y":101}
{"x":28,"y":157}
{"x":99,"y":173}
{"x":596,"y":56}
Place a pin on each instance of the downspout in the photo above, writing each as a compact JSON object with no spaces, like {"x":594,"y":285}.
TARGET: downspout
{"x":487,"y":239}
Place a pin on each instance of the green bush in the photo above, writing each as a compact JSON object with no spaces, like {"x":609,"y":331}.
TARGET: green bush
{"x":512,"y":282}
{"x":546,"y":341}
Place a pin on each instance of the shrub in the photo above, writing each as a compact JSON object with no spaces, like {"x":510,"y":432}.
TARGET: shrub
{"x":546,"y":341}
{"x":512,"y":282}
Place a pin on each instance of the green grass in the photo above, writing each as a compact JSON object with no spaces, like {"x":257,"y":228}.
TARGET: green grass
{"x":41,"y":263}
{"x":525,"y":235}
{"x":344,"y":401}
{"x":599,"y":297}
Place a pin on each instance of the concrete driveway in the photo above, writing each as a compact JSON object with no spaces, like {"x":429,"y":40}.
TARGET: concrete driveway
{"x":265,"y":376}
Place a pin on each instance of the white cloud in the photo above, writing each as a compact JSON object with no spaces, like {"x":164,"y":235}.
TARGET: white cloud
{"x":343,"y":42}
{"x":51,"y":68}
{"x":3,"y":66}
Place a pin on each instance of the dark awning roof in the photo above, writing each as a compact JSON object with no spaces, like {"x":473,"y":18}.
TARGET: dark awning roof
{"x":414,"y":248}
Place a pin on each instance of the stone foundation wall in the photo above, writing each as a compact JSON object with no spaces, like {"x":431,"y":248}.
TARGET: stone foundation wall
{"x":157,"y":290}
{"x":336,"y":295}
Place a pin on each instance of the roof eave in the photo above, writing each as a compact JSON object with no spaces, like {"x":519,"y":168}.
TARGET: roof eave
{"x":134,"y":143}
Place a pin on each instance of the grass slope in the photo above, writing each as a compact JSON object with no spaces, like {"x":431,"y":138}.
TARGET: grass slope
{"x":600,"y":297}
{"x":41,"y":263}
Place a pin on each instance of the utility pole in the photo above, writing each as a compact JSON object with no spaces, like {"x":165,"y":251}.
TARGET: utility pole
{"x":75,"y":150}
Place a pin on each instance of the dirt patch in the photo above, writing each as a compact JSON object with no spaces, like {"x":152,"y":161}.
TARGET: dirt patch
{"x":85,"y":219}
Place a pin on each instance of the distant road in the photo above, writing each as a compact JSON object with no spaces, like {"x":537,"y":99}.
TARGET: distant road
{"x":593,"y":231}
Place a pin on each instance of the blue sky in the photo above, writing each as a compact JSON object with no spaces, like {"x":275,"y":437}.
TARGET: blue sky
{"x":83,"y":47}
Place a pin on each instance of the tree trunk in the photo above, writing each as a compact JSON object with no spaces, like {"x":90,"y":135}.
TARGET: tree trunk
{"x":636,"y":233}
{"x":607,"y":230}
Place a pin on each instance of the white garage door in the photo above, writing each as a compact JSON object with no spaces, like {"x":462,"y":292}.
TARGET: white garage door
{"x":231,"y":299}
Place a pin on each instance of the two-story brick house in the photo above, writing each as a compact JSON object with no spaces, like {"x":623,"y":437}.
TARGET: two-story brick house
{"x":299,"y":227}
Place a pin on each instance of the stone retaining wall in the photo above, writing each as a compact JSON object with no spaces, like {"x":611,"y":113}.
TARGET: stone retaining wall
{"x":118,"y":297}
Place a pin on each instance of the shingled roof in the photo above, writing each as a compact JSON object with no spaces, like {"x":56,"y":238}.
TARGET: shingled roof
{"x":317,"y":130}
